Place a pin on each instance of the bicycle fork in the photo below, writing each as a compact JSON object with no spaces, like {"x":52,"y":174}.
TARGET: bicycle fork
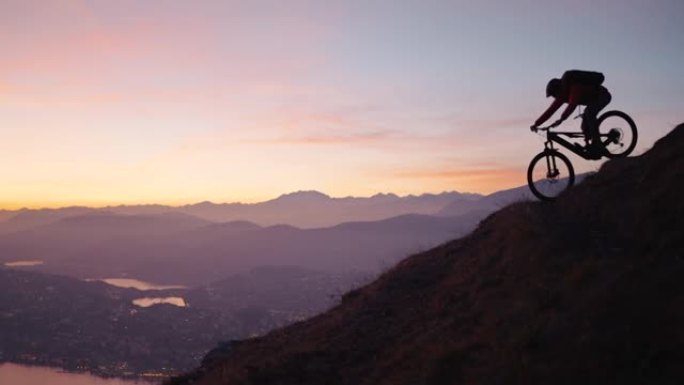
{"x":551,"y":169}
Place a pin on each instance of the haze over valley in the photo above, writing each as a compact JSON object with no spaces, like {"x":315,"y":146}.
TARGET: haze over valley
{"x":171,"y":246}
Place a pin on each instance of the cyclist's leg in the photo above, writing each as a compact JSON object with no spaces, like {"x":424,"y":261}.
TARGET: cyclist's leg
{"x":592,"y":110}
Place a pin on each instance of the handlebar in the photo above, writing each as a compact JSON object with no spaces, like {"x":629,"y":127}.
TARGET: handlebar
{"x":550,"y":126}
{"x":536,"y":129}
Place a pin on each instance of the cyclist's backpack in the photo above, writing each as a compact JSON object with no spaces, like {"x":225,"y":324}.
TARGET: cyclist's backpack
{"x":588,"y":78}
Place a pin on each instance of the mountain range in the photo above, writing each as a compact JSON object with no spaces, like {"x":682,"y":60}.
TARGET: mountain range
{"x":170,"y":246}
{"x":303,"y":209}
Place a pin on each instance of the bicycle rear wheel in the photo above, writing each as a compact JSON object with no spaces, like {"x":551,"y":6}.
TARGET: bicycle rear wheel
{"x":618,"y":133}
{"x":549,"y":174}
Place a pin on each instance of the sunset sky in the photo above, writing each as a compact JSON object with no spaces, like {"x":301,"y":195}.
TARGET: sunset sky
{"x":143,"y":101}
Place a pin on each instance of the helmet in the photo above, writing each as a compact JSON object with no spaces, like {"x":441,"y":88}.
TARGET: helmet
{"x":553,"y":87}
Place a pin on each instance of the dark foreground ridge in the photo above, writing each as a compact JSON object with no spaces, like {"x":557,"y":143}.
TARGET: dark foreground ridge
{"x":586,"y":290}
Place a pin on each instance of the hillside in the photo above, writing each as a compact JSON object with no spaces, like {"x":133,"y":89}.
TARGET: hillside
{"x":586,"y":290}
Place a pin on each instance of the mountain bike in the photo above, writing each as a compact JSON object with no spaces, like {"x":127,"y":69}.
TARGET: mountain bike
{"x":550,"y":172}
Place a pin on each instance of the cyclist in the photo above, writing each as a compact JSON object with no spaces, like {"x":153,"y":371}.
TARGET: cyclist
{"x":578,"y":88}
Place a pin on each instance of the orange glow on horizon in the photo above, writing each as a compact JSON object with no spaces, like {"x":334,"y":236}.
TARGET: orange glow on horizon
{"x":482,"y":182}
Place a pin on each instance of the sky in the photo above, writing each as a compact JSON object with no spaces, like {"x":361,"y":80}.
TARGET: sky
{"x":175,"y":102}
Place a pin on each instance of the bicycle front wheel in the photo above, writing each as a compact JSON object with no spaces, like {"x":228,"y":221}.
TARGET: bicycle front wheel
{"x":618,"y":133}
{"x":549,"y":174}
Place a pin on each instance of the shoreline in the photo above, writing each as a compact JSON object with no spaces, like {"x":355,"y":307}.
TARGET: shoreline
{"x":144,"y":377}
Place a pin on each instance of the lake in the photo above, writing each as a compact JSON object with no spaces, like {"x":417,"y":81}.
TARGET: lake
{"x":13,"y":374}
{"x":23,"y":263}
{"x":142,"y":285}
{"x":149,"y":301}
{"x":137,"y":284}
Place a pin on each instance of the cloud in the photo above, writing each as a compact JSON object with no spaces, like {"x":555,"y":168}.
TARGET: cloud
{"x":361,"y":125}
{"x":467,"y":173}
{"x":370,"y":137}
{"x":483,"y":178}
{"x":489,"y":124}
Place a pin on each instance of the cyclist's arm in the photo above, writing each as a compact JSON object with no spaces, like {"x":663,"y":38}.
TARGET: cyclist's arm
{"x":549,"y":112}
{"x":568,"y":111}
{"x":573,"y":101}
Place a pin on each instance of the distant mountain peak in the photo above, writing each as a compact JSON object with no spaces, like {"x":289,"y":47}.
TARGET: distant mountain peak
{"x":203,"y":204}
{"x":385,"y":196}
{"x":304,"y":195}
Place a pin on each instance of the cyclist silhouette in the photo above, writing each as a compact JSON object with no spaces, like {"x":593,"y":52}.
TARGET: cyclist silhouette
{"x":575,"y":88}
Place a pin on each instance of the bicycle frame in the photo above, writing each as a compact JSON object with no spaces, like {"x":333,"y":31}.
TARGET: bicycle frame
{"x":558,"y":137}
